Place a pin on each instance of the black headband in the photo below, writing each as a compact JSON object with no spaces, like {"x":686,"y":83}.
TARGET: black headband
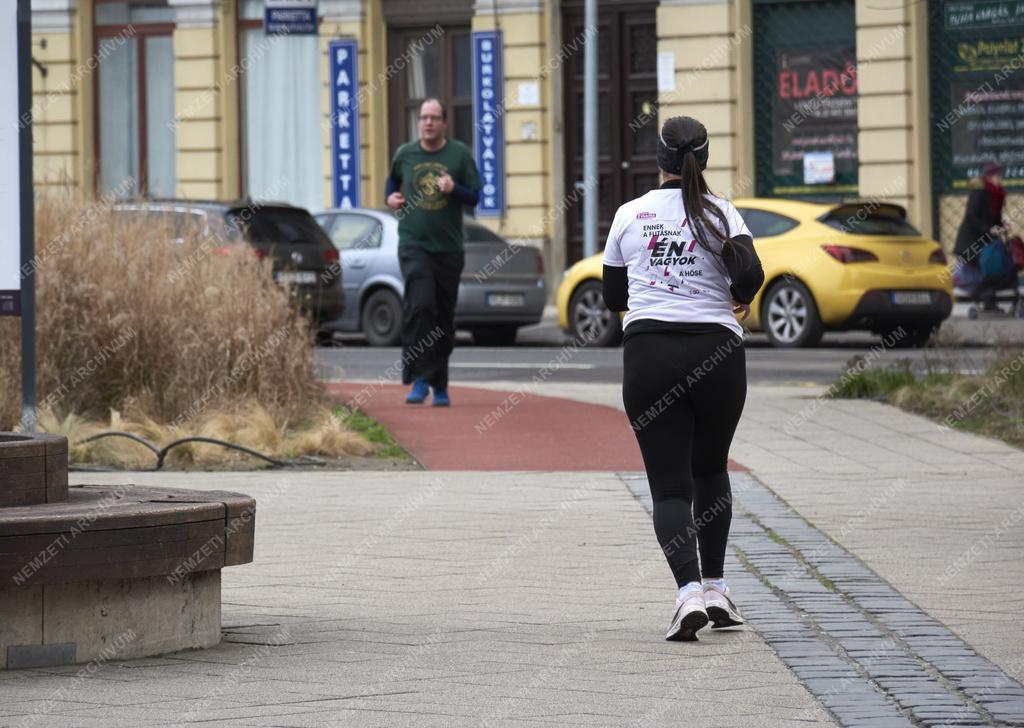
{"x":670,"y":159}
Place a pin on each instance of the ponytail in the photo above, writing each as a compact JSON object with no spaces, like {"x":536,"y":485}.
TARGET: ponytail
{"x":694,"y":187}
{"x":683,"y":149}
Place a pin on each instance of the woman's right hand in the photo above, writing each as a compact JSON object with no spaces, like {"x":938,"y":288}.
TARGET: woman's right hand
{"x":743,"y":308}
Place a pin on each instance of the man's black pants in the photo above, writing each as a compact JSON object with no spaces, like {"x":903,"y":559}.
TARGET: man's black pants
{"x":428,"y":312}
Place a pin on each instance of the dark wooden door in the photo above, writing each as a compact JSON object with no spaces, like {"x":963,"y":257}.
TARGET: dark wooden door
{"x":626,"y":112}
{"x":442,"y":69}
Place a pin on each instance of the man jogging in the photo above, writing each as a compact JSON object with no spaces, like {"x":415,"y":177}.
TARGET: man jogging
{"x":430,"y":181}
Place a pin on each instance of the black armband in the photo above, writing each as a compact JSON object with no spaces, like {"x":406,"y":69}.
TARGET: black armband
{"x":615,"y":288}
{"x":744,"y":268}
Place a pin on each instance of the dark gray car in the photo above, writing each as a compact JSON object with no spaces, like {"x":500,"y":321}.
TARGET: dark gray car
{"x":303,"y":258}
{"x":502,"y":284}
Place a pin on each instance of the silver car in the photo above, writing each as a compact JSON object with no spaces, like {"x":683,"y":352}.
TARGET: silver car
{"x":502,"y":285}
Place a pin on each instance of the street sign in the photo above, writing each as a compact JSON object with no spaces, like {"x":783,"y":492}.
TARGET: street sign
{"x":489,"y":120}
{"x":10,"y":174}
{"x":344,"y":57}
{"x":291,"y":17}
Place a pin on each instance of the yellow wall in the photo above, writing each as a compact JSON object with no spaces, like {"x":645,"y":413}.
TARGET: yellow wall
{"x":528,"y":193}
{"x":55,"y":112}
{"x":199,"y":75}
{"x":892,"y":106}
{"x":707,"y":41}
{"x":711,"y":42}
{"x":374,"y":72}
{"x":339,"y":31}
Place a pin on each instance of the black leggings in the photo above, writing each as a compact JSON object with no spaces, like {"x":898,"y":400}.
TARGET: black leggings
{"x":684,"y":394}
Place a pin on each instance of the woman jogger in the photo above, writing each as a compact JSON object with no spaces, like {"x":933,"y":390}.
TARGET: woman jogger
{"x":681,"y":261}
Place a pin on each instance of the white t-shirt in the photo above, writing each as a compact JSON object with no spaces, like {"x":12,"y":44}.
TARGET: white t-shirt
{"x":671,"y":277}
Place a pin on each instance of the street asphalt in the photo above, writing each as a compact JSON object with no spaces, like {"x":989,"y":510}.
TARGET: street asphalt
{"x":965,"y":345}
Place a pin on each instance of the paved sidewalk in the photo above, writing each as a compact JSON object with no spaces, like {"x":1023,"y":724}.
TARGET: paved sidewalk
{"x":434,"y":599}
{"x":935,"y":512}
{"x":876,"y":555}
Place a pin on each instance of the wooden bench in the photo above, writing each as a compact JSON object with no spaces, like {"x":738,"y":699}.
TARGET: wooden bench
{"x":86,"y":566}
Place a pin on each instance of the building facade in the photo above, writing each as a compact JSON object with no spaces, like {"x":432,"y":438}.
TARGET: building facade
{"x":889,"y":100}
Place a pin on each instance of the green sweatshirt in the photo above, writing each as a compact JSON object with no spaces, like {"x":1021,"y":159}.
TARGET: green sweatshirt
{"x":431,"y":219}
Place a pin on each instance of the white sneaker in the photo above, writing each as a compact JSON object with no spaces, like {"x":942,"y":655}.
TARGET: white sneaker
{"x":720,"y":607}
{"x":690,"y":616}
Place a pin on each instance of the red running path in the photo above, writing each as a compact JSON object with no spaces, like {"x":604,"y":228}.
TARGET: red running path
{"x":487,"y":429}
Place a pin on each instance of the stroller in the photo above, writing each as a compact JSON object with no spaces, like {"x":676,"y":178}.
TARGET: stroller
{"x":997,"y":269}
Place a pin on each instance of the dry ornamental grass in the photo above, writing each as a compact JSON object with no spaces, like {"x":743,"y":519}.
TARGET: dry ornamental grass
{"x":178,"y":338}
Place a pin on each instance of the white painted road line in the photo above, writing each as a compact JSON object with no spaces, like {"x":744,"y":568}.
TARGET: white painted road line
{"x":516,"y":365}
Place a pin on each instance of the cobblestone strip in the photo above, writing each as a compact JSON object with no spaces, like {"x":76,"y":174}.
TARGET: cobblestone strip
{"x":868,"y":654}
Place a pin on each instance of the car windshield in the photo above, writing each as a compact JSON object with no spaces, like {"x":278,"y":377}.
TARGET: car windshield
{"x":870,"y":219}
{"x":353,"y":232}
{"x":275,"y":225}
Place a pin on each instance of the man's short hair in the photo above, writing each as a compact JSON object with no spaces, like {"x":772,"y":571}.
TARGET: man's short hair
{"x":444,"y":111}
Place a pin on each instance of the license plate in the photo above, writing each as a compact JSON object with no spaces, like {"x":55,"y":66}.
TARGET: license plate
{"x":911,"y":298}
{"x":299,"y":277}
{"x":505,"y":300}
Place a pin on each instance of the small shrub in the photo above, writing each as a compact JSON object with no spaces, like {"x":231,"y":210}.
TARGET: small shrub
{"x":129,"y":321}
{"x":871,"y":383}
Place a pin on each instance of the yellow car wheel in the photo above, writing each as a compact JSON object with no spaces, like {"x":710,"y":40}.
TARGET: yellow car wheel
{"x":590,"y":321}
{"x":790,"y":316}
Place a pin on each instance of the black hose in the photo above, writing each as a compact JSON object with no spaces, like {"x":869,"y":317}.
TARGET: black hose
{"x":135,"y":438}
{"x":161,"y":453}
{"x":213,"y":441}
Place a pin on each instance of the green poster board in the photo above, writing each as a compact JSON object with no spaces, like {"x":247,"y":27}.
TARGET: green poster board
{"x":977,"y":88}
{"x":805,"y":94}
{"x":981,"y":14}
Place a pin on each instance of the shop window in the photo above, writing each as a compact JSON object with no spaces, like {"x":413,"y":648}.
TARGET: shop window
{"x":805,"y":98}
{"x":135,"y":123}
{"x":280,"y":91}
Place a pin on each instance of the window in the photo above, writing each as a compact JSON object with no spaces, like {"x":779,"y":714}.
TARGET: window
{"x":135,"y":122}
{"x":276,"y":225}
{"x":870,"y":219}
{"x":281,"y":141}
{"x":354,"y":232}
{"x":437,"y":67}
{"x":764,"y":224}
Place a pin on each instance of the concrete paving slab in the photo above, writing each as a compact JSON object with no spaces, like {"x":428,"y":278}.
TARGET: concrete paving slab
{"x":447,"y":599}
{"x":938,"y":513}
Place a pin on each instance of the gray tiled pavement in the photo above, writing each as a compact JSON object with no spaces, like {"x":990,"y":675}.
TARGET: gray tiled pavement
{"x":538,"y":599}
{"x":936,"y":513}
{"x":435,"y":599}
{"x":866,"y":652}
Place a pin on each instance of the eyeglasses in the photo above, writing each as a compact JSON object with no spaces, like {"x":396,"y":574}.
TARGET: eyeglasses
{"x":430,"y":118}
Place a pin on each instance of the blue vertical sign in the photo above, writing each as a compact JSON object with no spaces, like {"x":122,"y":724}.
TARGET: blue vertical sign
{"x":489,"y":120}
{"x":344,"y":123}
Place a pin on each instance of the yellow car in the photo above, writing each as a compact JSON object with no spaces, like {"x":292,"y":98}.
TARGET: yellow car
{"x":827,"y":267}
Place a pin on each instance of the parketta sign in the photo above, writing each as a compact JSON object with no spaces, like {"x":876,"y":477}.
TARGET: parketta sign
{"x":10,"y":172}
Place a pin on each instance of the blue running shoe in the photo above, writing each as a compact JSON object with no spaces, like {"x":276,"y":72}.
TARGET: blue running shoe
{"x":441,"y":398}
{"x":418,"y":393}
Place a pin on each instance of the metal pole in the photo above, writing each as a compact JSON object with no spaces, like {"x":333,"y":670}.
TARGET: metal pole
{"x":28,"y":280}
{"x":590,"y":191}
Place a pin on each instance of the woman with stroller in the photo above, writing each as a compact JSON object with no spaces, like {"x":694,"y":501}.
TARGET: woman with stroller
{"x":982,"y":227}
